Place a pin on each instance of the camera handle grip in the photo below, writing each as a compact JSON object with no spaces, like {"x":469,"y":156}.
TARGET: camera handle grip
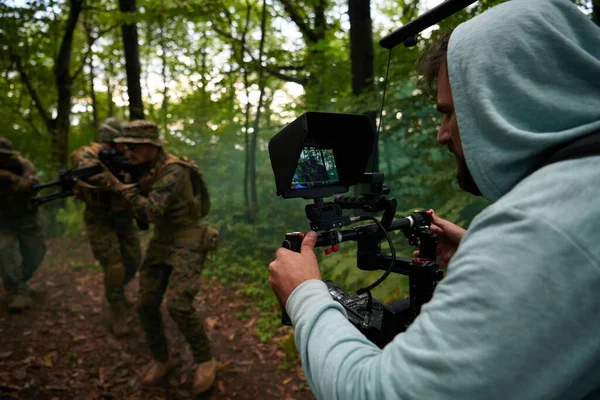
{"x":293,"y":241}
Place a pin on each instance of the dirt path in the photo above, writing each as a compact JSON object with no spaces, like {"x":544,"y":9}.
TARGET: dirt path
{"x":61,"y":348}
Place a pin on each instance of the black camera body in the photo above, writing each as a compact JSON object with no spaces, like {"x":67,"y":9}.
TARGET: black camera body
{"x":322,"y":154}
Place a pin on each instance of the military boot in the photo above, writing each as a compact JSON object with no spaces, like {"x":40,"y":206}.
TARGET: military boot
{"x":155,"y":373}
{"x":118,"y":319}
{"x":204,"y":376}
{"x":19,"y":303}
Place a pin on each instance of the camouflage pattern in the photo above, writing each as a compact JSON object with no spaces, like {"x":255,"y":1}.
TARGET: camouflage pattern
{"x":109,"y":130}
{"x":6,"y":147}
{"x":110,"y":226}
{"x":22,"y":250}
{"x":174,"y":258}
{"x":178,"y":279}
{"x":87,"y":156}
{"x":114,"y":239}
{"x":22,"y":245}
{"x":17,"y":189}
{"x":140,"y":131}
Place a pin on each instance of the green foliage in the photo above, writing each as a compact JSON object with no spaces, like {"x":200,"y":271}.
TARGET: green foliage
{"x":70,"y":217}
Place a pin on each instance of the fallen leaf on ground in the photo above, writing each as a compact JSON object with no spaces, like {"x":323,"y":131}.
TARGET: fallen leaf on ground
{"x":212,"y":322}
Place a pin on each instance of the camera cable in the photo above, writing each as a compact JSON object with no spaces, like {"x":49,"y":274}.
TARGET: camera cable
{"x":368,"y":289}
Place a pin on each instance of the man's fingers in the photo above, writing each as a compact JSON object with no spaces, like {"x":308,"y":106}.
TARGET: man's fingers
{"x":436,"y":229}
{"x":437,"y":220}
{"x":308,"y":244}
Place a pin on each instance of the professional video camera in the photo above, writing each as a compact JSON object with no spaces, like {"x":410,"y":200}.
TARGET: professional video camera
{"x":323,"y":154}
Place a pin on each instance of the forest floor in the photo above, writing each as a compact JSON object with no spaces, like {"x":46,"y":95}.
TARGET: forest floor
{"x":61,"y":348}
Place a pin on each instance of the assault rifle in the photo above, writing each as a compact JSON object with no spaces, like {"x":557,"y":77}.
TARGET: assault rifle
{"x":66,"y":181}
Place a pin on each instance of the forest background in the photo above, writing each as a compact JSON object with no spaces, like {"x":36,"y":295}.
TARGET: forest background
{"x":221,"y":77}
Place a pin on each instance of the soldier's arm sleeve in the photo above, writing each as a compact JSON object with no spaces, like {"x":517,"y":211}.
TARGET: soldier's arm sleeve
{"x":161,"y":196}
{"x":85,"y":158}
{"x":28,"y":180}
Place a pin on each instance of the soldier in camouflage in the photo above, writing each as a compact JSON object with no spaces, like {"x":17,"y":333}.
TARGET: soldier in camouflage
{"x":20,"y":229}
{"x":110,"y":226}
{"x":175,"y":256}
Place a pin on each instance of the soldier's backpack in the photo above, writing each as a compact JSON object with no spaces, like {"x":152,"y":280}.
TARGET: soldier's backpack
{"x":210,"y":236}
{"x":201,"y":195}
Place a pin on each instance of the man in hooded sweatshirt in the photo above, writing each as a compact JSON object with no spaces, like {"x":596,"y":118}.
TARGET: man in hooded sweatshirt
{"x":517,"y":315}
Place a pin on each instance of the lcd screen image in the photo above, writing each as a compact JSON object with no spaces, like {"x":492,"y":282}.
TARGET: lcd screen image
{"x":316,"y":167}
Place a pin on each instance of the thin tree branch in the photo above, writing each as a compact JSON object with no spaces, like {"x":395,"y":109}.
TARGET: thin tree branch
{"x":288,"y":67}
{"x":308,"y":33}
{"x":272,"y":70}
{"x":89,"y":49}
{"x":277,"y":74}
{"x":16,"y":59}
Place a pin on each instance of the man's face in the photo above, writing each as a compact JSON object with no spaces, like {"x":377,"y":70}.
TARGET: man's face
{"x":141,"y":153}
{"x":448,"y":134}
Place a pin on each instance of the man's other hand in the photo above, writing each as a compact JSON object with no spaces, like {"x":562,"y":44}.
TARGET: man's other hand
{"x":290,"y":269}
{"x":449,"y":237}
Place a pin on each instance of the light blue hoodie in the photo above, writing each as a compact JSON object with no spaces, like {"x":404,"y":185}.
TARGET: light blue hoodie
{"x":518,"y":315}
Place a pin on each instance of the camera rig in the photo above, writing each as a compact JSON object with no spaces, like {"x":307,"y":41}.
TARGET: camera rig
{"x":342,"y":164}
{"x":322,"y":154}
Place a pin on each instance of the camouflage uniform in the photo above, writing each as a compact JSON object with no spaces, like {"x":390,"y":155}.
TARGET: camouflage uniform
{"x":20,"y":228}
{"x":109,"y":220}
{"x":175,"y":258}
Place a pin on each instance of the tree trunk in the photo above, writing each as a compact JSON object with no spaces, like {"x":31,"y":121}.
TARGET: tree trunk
{"x":596,"y":11}
{"x":109,"y":94}
{"x":361,"y":45}
{"x":164,"y":109}
{"x":256,"y":126}
{"x":204,"y":94}
{"x":93,"y":96}
{"x":247,"y":115}
{"x":247,"y":147}
{"x":64,"y":85}
{"x":317,"y":54}
{"x":90,"y":42}
{"x":109,"y":89}
{"x":361,"y":55}
{"x":132,"y":62}
{"x":312,"y":37}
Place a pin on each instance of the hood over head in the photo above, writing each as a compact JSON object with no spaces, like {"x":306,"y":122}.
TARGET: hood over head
{"x":525,"y":78}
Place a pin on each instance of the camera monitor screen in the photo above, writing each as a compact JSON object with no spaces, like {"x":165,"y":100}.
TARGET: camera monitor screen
{"x":316,"y":167}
